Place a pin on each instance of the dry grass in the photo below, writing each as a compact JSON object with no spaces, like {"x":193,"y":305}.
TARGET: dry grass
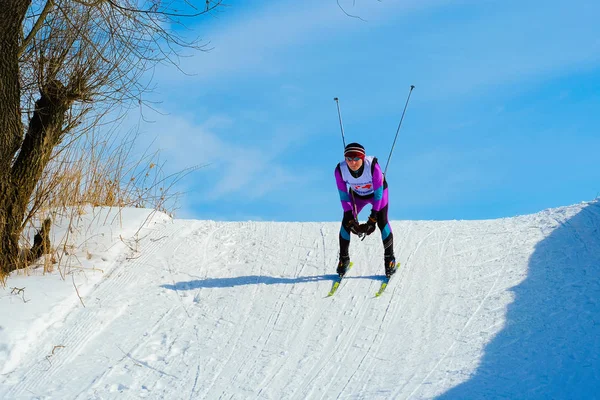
{"x":96,"y":171}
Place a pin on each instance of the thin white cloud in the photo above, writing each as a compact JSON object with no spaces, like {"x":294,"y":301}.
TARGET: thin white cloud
{"x":250,"y":44}
{"x":519,"y":44}
{"x":233,"y":168}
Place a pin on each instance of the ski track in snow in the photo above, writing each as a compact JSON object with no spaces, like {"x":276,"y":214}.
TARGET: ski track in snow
{"x":238,"y":310}
{"x":81,"y":326}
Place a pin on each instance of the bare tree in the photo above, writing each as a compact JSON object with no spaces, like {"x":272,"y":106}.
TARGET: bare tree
{"x":63,"y":64}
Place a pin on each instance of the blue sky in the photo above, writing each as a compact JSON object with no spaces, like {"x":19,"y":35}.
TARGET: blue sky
{"x":504,"y":118}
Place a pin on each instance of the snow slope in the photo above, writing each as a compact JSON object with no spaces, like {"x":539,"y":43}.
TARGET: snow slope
{"x":187,"y":309}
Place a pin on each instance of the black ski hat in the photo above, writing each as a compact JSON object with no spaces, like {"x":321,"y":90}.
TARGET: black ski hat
{"x":354,"y":150}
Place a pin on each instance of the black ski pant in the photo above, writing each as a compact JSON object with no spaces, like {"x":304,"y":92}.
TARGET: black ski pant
{"x":382,"y":224}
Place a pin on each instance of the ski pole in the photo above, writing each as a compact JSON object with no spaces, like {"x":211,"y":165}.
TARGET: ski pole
{"x":354,"y":211}
{"x":337,"y":102}
{"x":398,"y":130}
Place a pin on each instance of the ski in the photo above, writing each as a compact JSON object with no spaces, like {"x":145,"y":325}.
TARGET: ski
{"x":385,"y":282}
{"x":338,"y":280}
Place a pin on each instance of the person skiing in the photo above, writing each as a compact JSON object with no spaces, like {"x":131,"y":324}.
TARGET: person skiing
{"x":360,"y":181}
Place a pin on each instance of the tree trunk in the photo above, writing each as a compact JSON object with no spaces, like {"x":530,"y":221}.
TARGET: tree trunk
{"x":12,"y":13}
{"x":43,"y":134}
{"x":19,"y":178}
{"x":41,"y":242}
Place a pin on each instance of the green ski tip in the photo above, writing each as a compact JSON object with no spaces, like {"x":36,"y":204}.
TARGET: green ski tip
{"x":384,"y":284}
{"x":336,"y":284}
{"x":381,"y":289}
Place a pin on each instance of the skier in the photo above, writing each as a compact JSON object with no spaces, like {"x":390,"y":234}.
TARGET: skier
{"x":367,"y":185}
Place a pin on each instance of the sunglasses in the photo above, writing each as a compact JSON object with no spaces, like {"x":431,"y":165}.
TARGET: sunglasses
{"x":352,"y":158}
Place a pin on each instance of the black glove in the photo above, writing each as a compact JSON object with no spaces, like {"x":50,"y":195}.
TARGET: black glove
{"x":353,"y":226}
{"x":369,"y":227}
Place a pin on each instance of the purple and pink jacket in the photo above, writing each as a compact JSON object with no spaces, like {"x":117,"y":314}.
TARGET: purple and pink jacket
{"x":372,"y":191}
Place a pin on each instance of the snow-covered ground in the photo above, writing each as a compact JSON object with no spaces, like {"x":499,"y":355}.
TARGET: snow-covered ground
{"x":187,"y":309}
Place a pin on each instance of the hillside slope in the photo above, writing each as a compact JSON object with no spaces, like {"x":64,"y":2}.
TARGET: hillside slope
{"x":503,"y":308}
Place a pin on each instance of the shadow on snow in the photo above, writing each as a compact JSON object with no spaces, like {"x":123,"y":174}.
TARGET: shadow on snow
{"x":256,"y":280}
{"x":550,"y":345}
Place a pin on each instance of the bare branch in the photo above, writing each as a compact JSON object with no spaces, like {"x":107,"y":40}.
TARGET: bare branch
{"x":347,"y":14}
{"x":59,"y":346}
{"x":77,"y":290}
{"x":37,"y":26}
{"x":208,"y":9}
{"x":19,"y":291}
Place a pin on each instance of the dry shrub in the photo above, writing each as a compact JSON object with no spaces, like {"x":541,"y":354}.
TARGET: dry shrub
{"x":98,"y":171}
